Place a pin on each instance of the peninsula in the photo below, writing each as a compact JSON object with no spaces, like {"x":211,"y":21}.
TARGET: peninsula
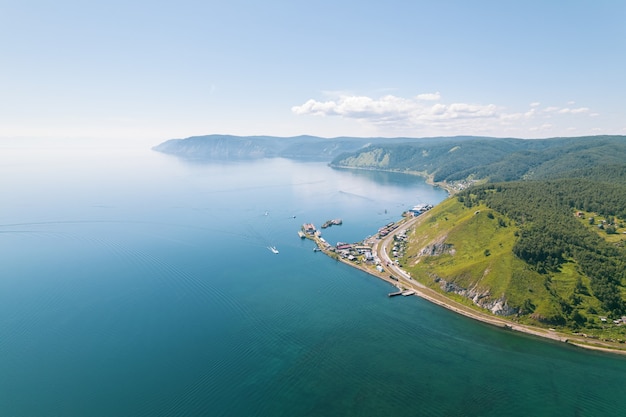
{"x":532,"y":237}
{"x":374,"y":256}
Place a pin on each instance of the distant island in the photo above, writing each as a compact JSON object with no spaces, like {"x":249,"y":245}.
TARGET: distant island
{"x":534,"y":231}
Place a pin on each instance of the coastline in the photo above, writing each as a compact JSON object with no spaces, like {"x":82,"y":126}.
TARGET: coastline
{"x":428,"y":178}
{"x":404,"y":281}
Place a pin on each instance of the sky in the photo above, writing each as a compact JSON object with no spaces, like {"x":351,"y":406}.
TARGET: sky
{"x":156,"y":70}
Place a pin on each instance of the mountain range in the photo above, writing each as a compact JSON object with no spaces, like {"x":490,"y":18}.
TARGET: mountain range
{"x":534,"y":230}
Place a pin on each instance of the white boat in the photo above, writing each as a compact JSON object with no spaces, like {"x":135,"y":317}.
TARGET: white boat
{"x":273,"y":249}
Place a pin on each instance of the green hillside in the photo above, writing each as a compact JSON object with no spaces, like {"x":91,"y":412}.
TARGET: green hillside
{"x":450,"y":160}
{"x":536,"y":231}
{"x":527,"y":250}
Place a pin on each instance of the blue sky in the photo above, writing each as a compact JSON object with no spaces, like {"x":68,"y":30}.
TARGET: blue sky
{"x":139,"y":70}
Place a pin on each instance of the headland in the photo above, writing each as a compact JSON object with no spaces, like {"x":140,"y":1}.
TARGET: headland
{"x":373,"y":257}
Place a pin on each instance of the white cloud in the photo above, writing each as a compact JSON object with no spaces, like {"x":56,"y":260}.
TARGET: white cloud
{"x":429,"y":96}
{"x":545,"y":126}
{"x":420,"y":115}
{"x":394,"y":109}
{"x":574,"y":111}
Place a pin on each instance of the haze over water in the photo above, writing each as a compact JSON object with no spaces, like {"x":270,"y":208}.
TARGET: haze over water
{"x":136,"y":284}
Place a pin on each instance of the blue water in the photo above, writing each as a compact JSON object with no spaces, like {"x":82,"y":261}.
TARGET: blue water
{"x":136,"y":284}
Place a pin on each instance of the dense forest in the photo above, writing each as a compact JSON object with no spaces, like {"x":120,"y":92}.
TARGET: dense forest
{"x":550,"y":234}
{"x":565,"y":197}
{"x":497,"y":160}
{"x":228,"y":147}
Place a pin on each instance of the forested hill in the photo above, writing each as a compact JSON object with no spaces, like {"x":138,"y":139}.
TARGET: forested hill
{"x":491,"y":159}
{"x":544,"y":244}
{"x":446,"y":159}
{"x":228,"y":147}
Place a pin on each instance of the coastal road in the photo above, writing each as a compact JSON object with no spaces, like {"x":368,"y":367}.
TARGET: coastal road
{"x":383,"y":254}
{"x":404,"y":279}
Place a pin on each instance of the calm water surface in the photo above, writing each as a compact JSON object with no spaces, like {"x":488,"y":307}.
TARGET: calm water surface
{"x":136,"y":284}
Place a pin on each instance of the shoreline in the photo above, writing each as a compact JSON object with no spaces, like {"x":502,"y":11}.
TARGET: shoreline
{"x":428,"y":178}
{"x":404,"y":281}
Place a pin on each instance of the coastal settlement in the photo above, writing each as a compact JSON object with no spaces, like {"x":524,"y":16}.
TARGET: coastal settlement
{"x":374,"y":256}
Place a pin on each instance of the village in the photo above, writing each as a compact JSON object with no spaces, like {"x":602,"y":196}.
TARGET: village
{"x":363,"y":254}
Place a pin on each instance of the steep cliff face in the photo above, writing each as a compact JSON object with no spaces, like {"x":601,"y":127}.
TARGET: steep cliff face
{"x":480,"y":297}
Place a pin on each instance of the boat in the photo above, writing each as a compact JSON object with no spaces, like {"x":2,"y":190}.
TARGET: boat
{"x":329,"y":223}
{"x":273,"y":249}
{"x":408,"y":292}
{"x":316,"y":249}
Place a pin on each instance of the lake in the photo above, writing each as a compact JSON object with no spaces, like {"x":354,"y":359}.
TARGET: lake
{"x":134,"y":283}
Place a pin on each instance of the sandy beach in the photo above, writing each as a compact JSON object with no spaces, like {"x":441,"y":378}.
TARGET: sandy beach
{"x":406,"y":282}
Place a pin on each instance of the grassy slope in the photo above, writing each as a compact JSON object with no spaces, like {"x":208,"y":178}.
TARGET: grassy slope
{"x":482,"y":260}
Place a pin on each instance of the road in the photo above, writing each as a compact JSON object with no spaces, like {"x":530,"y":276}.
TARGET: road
{"x":405,"y":280}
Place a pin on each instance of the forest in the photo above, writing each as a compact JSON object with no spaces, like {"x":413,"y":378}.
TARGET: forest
{"x":550,"y":233}
{"x":493,"y":159}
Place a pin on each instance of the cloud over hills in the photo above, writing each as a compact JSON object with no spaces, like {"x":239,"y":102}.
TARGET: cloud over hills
{"x":428,"y":112}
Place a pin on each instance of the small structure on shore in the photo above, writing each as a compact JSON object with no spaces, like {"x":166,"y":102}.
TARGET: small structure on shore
{"x":309,"y":228}
{"x":420,"y":208}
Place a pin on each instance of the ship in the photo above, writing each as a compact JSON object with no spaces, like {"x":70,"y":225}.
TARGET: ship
{"x":273,"y":249}
{"x":329,"y":223}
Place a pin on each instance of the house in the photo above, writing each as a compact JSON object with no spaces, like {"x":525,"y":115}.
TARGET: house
{"x":419,"y":209}
{"x":363,"y":249}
